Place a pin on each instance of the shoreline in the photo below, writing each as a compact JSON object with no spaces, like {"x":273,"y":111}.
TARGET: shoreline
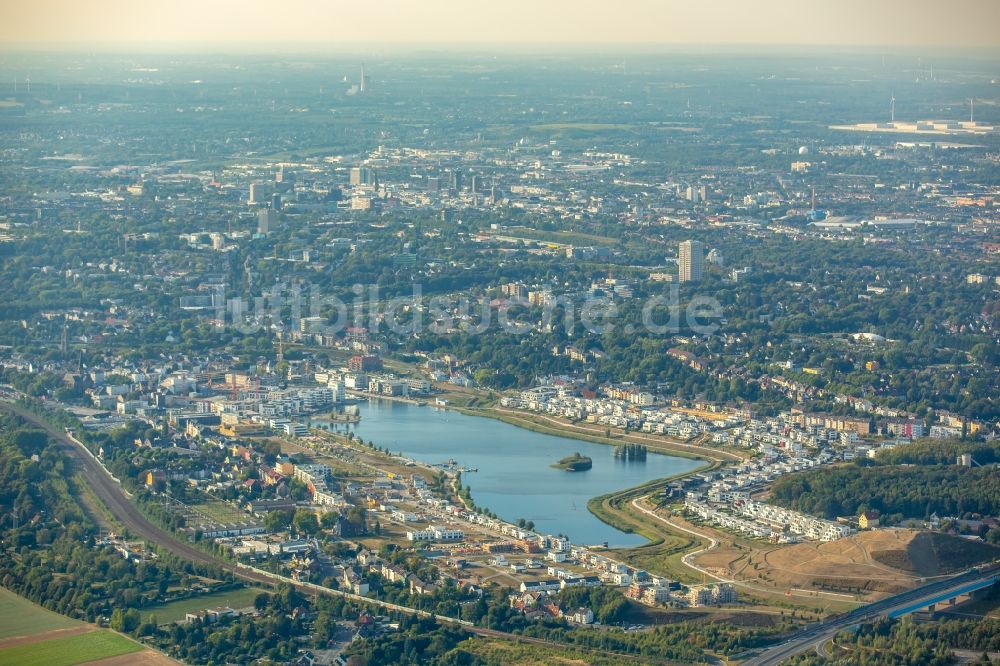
{"x":595,"y":505}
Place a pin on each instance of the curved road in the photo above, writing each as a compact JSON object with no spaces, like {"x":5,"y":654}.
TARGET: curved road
{"x":712,"y":544}
{"x":815,"y":635}
{"x":663,"y":446}
{"x":113,"y":497}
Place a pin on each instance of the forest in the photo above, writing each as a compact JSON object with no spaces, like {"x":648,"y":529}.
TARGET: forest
{"x":894,"y":642}
{"x":897,"y":492}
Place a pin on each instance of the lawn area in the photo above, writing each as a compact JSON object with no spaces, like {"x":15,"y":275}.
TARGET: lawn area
{"x":20,"y":617}
{"x":176,"y":610}
{"x":498,"y":652}
{"x":69,"y":650}
{"x":220,"y":512}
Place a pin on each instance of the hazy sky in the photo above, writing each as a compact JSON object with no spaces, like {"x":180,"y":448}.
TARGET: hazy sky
{"x":338,"y":23}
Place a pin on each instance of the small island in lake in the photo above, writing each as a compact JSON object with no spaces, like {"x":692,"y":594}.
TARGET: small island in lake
{"x":574,"y":463}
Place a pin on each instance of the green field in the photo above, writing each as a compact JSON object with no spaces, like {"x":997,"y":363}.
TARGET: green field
{"x":219,"y":512}
{"x":20,"y":617}
{"x":69,"y":650}
{"x":176,"y":610}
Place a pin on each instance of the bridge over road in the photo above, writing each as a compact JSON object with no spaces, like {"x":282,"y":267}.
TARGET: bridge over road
{"x":948,"y":598}
{"x":941,"y":591}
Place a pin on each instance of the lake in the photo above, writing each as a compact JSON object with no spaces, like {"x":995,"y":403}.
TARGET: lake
{"x":515,"y":479}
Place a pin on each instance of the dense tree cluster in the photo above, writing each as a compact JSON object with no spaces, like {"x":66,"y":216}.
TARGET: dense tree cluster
{"x":892,"y":642}
{"x":900,"y":492}
{"x":939,"y":452}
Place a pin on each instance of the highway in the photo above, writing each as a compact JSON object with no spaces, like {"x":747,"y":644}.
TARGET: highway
{"x":809,"y":637}
{"x":113,"y":496}
{"x":817,"y":634}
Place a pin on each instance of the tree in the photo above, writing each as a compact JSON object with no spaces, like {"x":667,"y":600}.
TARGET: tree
{"x":329,"y":520}
{"x":325,"y":627}
{"x":275,"y":521}
{"x":30,"y":441}
{"x":298,"y":490}
{"x":288,"y":597}
{"x":305,"y":522}
{"x":125,"y":621}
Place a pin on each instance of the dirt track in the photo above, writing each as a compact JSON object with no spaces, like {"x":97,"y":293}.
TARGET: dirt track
{"x":144,"y":658}
{"x":28,"y":639}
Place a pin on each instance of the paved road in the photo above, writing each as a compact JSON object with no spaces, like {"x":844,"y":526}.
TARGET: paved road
{"x":812,"y":636}
{"x":712,"y":543}
{"x":816,"y":635}
{"x":113,"y":496}
{"x":664,"y":445}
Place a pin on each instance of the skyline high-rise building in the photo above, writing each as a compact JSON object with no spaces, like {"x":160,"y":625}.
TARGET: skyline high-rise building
{"x":363,"y":176}
{"x":266,"y":219}
{"x":690,"y":261}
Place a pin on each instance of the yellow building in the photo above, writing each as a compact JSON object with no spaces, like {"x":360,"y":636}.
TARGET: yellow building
{"x":868,"y":520}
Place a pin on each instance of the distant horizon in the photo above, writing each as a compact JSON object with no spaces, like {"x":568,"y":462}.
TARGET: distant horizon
{"x":111,"y":25}
{"x":180,"y":48}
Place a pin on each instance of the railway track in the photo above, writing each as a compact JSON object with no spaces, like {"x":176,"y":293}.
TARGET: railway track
{"x":113,"y":496}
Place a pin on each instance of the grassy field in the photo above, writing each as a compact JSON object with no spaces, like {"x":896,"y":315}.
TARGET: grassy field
{"x":499,"y":652}
{"x":581,"y":431}
{"x":69,"y":650}
{"x":176,"y":610}
{"x":20,"y":617}
{"x":220,"y":512}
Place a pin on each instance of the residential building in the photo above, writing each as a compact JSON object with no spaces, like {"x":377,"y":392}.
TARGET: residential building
{"x":691,"y":261}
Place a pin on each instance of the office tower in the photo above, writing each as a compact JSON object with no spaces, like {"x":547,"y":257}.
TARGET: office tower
{"x":691,"y":260}
{"x":695,"y":194}
{"x":433,"y":184}
{"x":476,"y":184}
{"x":276,"y":201}
{"x":514,"y":290}
{"x":256,"y":193}
{"x":364,"y":176}
{"x":266,"y":218}
{"x":455,"y":182}
{"x":361,"y":83}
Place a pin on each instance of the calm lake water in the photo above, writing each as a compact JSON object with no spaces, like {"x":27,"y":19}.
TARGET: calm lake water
{"x":514,"y":478}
